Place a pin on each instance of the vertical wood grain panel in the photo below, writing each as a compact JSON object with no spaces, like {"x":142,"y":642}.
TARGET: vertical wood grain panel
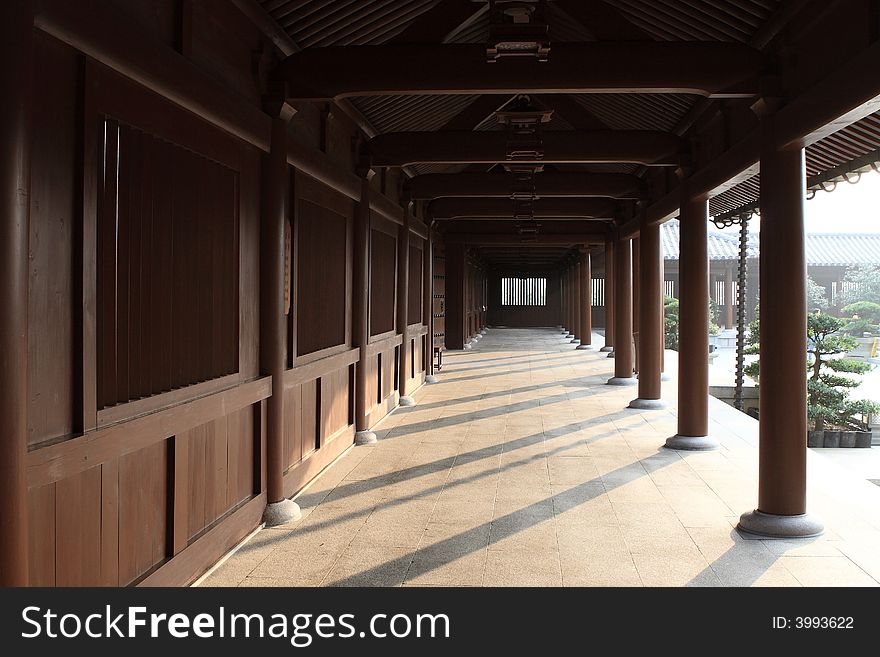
{"x":415,"y":284}
{"x":321,"y":277}
{"x":41,"y":527}
{"x":383,"y":277}
{"x":53,"y":244}
{"x":110,"y":523}
{"x":143,"y":489}
{"x":78,"y":529}
{"x":309,"y":417}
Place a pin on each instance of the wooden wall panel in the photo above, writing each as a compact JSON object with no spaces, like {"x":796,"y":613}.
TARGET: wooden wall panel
{"x":374,"y":366}
{"x":389,"y":381}
{"x":249,"y":264}
{"x":293,"y":426}
{"x":41,"y":529}
{"x":78,"y":529}
{"x":224,"y":42}
{"x":142,"y":511}
{"x":335,"y":402}
{"x":310,"y":413}
{"x":439,"y":303}
{"x":53,"y":297}
{"x":321,"y":277}
{"x":383,"y":282}
{"x":203,"y":231}
{"x":240,"y":468}
{"x":416,"y":284}
{"x":160,"y":18}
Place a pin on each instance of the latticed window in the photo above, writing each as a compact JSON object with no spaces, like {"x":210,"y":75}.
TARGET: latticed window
{"x":530,"y":291}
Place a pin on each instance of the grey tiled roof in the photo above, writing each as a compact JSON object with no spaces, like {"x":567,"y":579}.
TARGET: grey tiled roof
{"x":823,"y":249}
{"x":722,"y":245}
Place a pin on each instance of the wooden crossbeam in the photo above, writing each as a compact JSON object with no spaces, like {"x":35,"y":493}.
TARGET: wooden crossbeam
{"x":646,"y":147}
{"x":715,"y":69}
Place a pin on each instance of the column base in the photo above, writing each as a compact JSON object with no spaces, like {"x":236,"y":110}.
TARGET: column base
{"x":767,"y":525}
{"x":365,"y":438}
{"x":484,"y":332}
{"x":607,"y":349}
{"x":467,"y":347}
{"x":573,"y":340}
{"x":279,"y":513}
{"x":406,"y":400}
{"x":691,"y":443}
{"x":430,"y":378}
{"x":622,"y":381}
{"x":584,"y":346}
{"x":477,"y":337}
{"x":647,"y":404}
{"x":610,"y":354}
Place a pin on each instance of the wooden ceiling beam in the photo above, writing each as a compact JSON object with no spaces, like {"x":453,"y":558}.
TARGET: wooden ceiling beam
{"x":502,"y":208}
{"x":547,"y":184}
{"x":715,"y":69}
{"x":540,"y":240}
{"x":648,"y":147}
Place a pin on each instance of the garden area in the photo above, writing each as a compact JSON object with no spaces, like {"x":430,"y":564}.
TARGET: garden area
{"x":838,"y":350}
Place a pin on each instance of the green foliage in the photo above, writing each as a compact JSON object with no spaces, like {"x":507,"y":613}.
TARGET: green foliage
{"x":865,"y":318}
{"x":828,"y":402}
{"x":817,"y":296}
{"x":670,"y":315}
{"x":862,"y":284}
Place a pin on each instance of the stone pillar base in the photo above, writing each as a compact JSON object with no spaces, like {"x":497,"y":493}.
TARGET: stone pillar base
{"x":607,"y":349}
{"x":484,"y":332}
{"x":279,"y":513}
{"x":406,"y":400}
{"x":767,"y":525}
{"x":584,"y":346}
{"x":622,"y":381}
{"x":573,"y":340}
{"x":610,"y":354}
{"x":647,"y":404}
{"x":691,"y":443}
{"x":467,"y":347}
{"x":431,"y":379}
{"x":365,"y":438}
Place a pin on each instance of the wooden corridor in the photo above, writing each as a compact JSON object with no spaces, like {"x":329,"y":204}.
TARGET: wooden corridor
{"x":523,"y":469}
{"x":235,"y":235}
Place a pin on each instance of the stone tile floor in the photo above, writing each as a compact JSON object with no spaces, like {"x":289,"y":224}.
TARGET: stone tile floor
{"x":521,"y":468}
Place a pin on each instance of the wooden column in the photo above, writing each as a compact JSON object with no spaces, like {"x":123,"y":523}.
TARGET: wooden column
{"x":635,"y":301}
{"x":273,"y":319}
{"x":623,"y":353}
{"x":361,"y":309}
{"x":428,"y":304}
{"x":693,"y":330}
{"x":562,"y":290}
{"x":782,"y":452}
{"x":609,"y":298}
{"x":586,"y":318}
{"x":728,"y":298}
{"x":650,"y":343}
{"x":403,"y":355}
{"x":575,"y":301}
{"x":17,"y":28}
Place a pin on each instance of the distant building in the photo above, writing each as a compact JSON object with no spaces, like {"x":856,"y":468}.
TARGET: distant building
{"x":829,"y":255}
